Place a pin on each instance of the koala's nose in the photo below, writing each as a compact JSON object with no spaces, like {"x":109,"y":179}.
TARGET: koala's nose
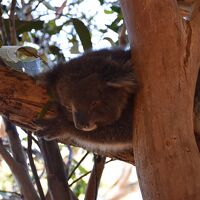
{"x":80,"y":120}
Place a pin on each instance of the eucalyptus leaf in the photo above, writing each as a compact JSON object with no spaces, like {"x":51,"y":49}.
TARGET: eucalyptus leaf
{"x":116,"y":9}
{"x":24,"y":26}
{"x":108,"y":12}
{"x":83,"y":33}
{"x":101,"y":2}
{"x":52,"y":28}
{"x":110,"y":40}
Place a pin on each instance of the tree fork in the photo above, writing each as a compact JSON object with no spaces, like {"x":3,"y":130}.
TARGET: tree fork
{"x":167,"y":61}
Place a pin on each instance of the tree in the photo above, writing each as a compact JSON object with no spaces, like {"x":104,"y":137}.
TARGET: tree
{"x":166,"y":53}
{"x":165,"y":36}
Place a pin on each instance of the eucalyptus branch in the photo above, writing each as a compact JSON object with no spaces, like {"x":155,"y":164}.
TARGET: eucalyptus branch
{"x":122,"y":36}
{"x":18,"y":170}
{"x":95,"y":177}
{"x":33,"y":168}
{"x":2,"y":28}
{"x":78,"y":164}
{"x":82,"y":176}
{"x":56,"y":176}
{"x":79,"y":178}
{"x":13,"y":35}
{"x":39,"y":2}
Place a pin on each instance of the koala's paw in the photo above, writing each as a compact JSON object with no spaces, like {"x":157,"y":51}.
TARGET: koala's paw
{"x":47,"y":128}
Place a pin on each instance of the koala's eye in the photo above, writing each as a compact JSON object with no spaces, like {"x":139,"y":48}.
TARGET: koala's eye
{"x":68,"y":108}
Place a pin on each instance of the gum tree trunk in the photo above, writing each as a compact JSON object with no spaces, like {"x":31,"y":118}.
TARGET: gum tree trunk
{"x":166,"y":55}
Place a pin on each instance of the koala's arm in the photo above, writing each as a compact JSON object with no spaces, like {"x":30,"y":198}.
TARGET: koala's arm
{"x":115,"y":137}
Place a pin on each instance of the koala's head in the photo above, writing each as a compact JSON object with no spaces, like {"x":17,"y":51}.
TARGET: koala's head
{"x":96,"y":99}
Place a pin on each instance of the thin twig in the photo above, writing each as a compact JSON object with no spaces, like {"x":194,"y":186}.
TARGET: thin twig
{"x":60,"y":9}
{"x":69,"y":159}
{"x":122,"y":36}
{"x":39,"y":2}
{"x":3,"y":29}
{"x":13,"y":35}
{"x":79,"y":178}
{"x":82,"y":176}
{"x":78,"y":164}
{"x":33,"y":168}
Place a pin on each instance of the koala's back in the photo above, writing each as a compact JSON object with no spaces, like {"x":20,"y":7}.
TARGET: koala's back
{"x":94,"y":61}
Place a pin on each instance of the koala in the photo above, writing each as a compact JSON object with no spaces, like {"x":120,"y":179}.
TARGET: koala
{"x":94,"y":96}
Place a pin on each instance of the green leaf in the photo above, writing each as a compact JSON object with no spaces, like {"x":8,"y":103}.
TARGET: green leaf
{"x":24,"y":26}
{"x":115,"y":24}
{"x":54,"y":49}
{"x":101,"y":2}
{"x":26,"y":37}
{"x":114,"y":27}
{"x":57,"y":51}
{"x":83,"y":33}
{"x":116,"y":9}
{"x":108,"y":12}
{"x":74,"y":49}
{"x":110,"y":40}
{"x":52,"y":28}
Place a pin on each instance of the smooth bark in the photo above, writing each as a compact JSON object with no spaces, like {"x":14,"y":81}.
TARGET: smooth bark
{"x":166,"y":56}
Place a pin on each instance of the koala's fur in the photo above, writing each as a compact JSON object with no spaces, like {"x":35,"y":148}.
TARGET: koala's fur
{"x":94,"y":96}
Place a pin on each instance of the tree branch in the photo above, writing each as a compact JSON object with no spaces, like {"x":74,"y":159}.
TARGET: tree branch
{"x":56,"y":175}
{"x":33,"y":168}
{"x":93,"y":184}
{"x":22,"y":100}
{"x":2,"y":28}
{"x":18,"y":170}
{"x":13,"y":35}
{"x":77,"y":165}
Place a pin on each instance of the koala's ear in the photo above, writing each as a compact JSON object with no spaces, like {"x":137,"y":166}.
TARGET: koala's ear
{"x":127,"y":83}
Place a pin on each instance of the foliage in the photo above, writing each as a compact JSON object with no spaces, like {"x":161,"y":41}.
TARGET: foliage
{"x":60,"y":31}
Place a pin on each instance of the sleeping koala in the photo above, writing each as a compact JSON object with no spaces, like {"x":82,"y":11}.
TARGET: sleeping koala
{"x":94,"y":97}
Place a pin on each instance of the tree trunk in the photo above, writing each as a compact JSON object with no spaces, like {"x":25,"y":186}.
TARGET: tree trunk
{"x":166,"y":56}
